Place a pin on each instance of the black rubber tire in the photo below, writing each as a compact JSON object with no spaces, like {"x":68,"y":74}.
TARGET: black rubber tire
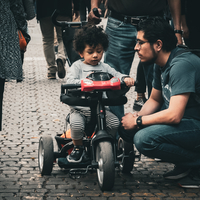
{"x":106,"y":168}
{"x":128,"y":157}
{"x":45,"y":155}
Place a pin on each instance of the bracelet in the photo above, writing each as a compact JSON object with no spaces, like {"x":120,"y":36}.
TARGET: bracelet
{"x":178,"y":31}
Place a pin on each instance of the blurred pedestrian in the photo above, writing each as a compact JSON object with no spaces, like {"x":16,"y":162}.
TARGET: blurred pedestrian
{"x":12,"y":17}
{"x":190,"y":17}
{"x":30,"y":14}
{"x":85,"y":6}
{"x":44,"y":10}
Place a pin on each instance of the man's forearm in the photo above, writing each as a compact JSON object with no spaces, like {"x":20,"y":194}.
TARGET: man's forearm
{"x":149,"y":107}
{"x":95,"y":3}
{"x":175,"y":8}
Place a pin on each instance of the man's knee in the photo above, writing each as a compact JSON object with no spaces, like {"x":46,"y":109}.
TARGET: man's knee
{"x":144,"y":142}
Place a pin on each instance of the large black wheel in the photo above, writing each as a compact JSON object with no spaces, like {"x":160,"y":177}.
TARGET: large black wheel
{"x":45,"y":155}
{"x":106,"y":165}
{"x":126,"y":156}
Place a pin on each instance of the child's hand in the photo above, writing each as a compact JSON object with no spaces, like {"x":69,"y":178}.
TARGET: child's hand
{"x":129,"y":81}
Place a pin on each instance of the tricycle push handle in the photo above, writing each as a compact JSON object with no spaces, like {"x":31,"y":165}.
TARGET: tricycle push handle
{"x":63,"y":24}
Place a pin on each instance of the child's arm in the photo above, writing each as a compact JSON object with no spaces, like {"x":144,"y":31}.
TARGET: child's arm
{"x":123,"y":77}
{"x":73,"y":75}
{"x":129,"y":81}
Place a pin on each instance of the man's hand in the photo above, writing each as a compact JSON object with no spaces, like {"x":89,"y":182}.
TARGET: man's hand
{"x":129,"y":121}
{"x":129,"y":81}
{"x":92,"y":18}
{"x":76,"y":14}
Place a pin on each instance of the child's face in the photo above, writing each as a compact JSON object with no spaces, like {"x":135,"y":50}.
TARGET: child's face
{"x":91,"y":55}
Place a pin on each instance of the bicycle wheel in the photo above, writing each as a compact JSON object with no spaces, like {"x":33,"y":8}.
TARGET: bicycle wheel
{"x":106,"y":165}
{"x":127,"y":156}
{"x":45,"y":155}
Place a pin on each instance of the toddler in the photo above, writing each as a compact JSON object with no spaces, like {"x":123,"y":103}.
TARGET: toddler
{"x":90,"y":42}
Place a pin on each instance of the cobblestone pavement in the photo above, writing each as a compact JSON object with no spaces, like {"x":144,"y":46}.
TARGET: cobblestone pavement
{"x":32,"y":109}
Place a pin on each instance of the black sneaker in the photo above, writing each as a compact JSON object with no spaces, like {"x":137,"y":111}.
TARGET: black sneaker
{"x":177,"y":173}
{"x":138,"y":104}
{"x":191,"y":181}
{"x":61,"y":68}
{"x":76,"y":154}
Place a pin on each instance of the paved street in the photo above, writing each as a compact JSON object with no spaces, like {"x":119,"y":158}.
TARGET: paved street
{"x":32,"y":109}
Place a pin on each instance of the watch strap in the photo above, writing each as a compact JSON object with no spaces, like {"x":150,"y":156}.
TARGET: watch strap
{"x":139,"y":121}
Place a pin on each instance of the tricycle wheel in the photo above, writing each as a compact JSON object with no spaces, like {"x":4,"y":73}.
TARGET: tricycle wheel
{"x":127,"y":155}
{"x":106,"y":165}
{"x":45,"y":155}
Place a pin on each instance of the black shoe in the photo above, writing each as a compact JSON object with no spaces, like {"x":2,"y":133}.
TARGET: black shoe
{"x":138,"y":104}
{"x":177,"y":173}
{"x":61,"y":68}
{"x":76,"y":154}
{"x":191,"y":181}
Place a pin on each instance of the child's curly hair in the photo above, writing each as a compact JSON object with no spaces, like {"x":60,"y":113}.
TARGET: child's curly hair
{"x":90,"y":35}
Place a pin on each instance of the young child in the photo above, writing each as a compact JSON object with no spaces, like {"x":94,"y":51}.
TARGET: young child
{"x":90,"y":42}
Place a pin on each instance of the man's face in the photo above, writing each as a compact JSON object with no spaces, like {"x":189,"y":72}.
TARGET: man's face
{"x":145,"y":50}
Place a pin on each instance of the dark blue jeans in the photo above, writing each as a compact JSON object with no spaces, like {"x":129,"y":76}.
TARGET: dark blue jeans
{"x":178,"y":144}
{"x":121,"y":51}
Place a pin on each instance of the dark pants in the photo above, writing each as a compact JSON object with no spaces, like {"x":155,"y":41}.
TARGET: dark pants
{"x":83,"y":5}
{"x":144,"y":78}
{"x":2,"y":83}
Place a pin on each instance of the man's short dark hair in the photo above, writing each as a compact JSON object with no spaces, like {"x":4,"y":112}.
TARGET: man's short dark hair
{"x":90,"y":35}
{"x":156,"y":28}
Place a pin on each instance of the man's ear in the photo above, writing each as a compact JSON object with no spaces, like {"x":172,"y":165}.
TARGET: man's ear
{"x":158,"y":45}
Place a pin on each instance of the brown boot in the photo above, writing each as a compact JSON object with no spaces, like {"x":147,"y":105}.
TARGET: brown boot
{"x":51,"y":75}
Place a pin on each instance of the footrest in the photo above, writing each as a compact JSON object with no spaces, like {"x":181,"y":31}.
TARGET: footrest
{"x":80,"y":171}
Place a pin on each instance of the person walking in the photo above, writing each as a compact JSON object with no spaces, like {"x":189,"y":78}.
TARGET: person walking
{"x":12,"y":17}
{"x":44,"y":10}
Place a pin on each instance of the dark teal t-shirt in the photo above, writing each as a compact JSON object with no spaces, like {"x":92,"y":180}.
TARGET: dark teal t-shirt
{"x":181,"y":74}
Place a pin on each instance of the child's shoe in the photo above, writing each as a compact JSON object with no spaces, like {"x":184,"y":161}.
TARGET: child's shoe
{"x":76,"y":155}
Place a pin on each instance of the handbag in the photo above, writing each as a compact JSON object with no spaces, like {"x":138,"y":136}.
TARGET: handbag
{"x":22,"y":41}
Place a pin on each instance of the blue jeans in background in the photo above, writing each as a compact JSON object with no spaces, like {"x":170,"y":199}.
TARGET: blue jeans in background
{"x":178,"y":144}
{"x":120,"y":52}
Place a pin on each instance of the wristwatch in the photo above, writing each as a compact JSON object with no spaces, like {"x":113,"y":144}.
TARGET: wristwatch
{"x":178,"y":31}
{"x":139,"y":121}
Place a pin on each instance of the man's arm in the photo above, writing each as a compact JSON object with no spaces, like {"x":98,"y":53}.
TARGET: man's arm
{"x":172,"y":115}
{"x":175,"y":8}
{"x":91,"y":17}
{"x":152,"y":105}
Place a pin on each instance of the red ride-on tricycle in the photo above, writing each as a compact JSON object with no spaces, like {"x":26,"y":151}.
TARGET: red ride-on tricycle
{"x":104,"y":153}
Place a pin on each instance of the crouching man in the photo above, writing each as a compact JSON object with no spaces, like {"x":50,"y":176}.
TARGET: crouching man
{"x":169,"y":122}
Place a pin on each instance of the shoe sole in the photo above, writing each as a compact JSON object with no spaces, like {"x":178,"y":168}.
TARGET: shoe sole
{"x":61,"y":69}
{"x":178,"y":176}
{"x":51,"y":78}
{"x":189,"y":186}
